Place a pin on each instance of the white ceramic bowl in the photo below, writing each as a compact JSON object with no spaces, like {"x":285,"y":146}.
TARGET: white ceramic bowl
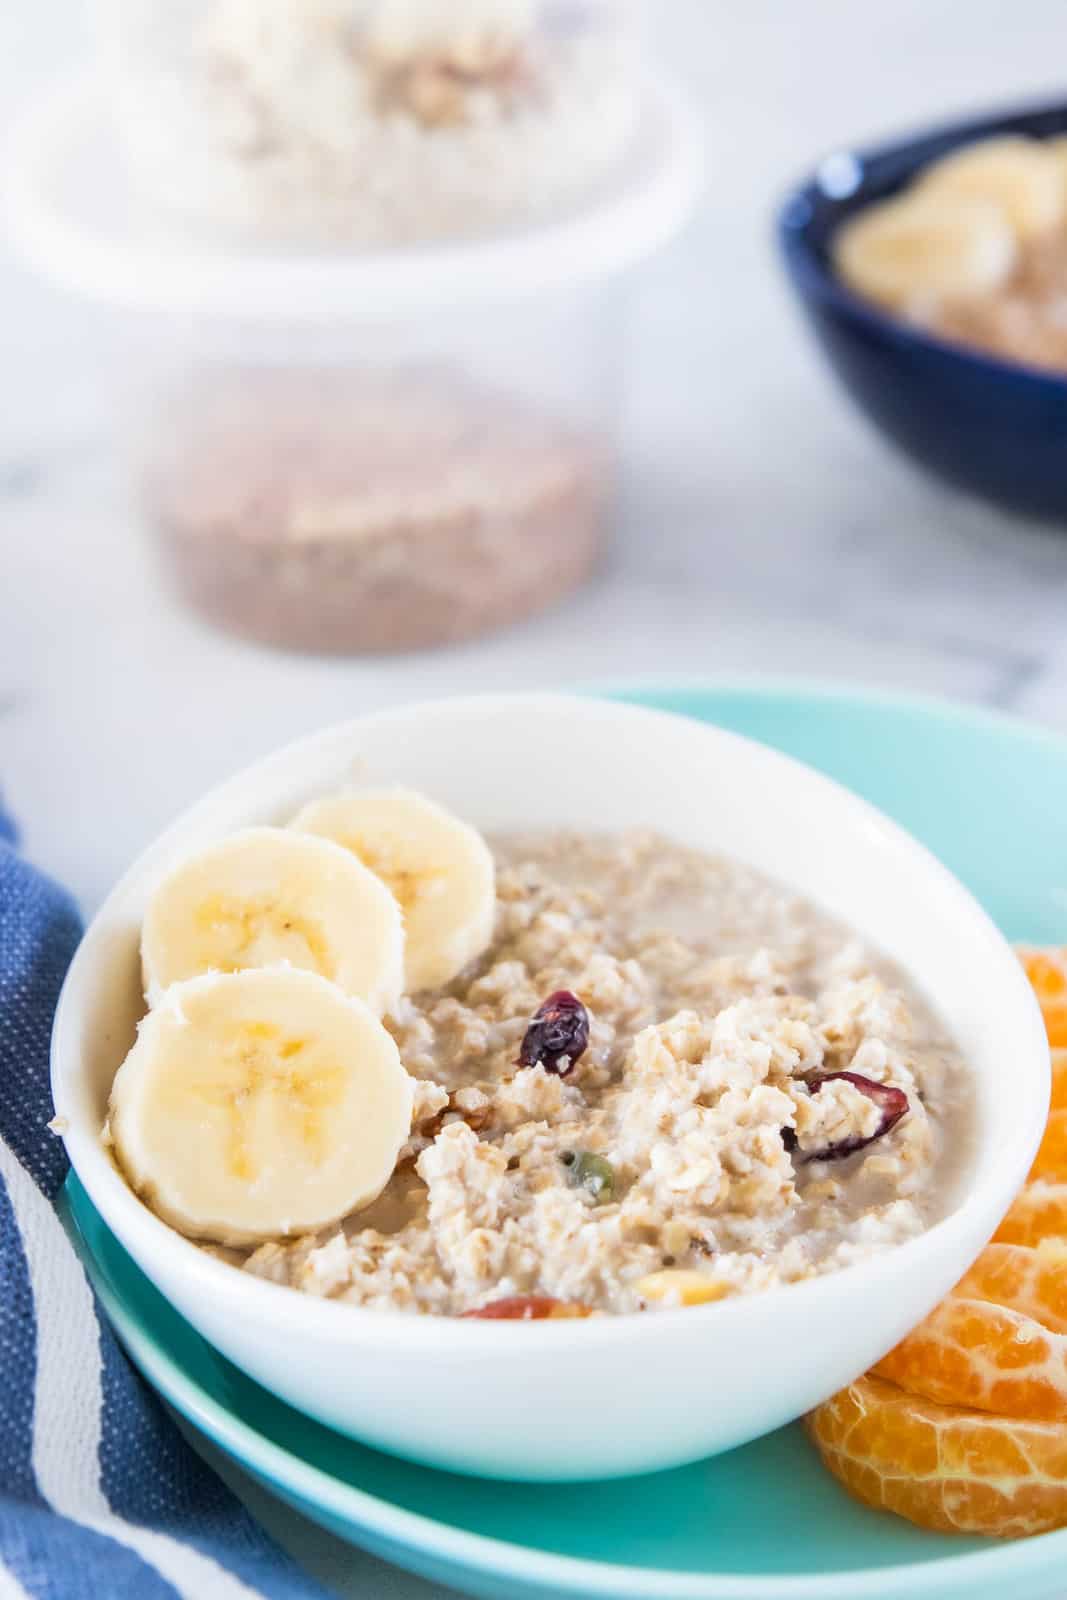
{"x":610,"y":1396}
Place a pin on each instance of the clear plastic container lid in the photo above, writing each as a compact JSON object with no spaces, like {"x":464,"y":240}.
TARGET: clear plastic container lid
{"x":72,"y":213}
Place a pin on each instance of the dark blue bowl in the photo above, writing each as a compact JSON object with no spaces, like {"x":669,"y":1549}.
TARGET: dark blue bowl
{"x":992,"y":426}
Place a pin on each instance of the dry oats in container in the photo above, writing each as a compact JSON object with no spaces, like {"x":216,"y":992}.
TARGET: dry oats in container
{"x":339,"y":509}
{"x":369,"y":122}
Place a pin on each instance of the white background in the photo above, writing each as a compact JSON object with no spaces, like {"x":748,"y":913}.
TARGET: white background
{"x":764,"y":528}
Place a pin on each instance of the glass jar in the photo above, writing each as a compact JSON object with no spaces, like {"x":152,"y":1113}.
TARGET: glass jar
{"x":369,"y":122}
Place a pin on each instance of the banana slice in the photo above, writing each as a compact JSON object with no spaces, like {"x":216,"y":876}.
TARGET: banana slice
{"x":259,"y":1104}
{"x":439,"y":869}
{"x":268,"y":896}
{"x":1056,"y":147}
{"x":923,"y":246}
{"x":1019,"y":175}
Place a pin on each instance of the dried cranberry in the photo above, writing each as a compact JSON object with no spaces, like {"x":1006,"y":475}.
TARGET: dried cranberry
{"x":892,"y":1103}
{"x":529,"y":1308}
{"x":557,"y":1035}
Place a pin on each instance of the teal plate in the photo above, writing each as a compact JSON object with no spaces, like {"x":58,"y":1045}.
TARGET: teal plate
{"x":765,"y":1522}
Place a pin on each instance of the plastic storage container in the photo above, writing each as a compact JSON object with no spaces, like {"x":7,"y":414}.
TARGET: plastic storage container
{"x":385,"y":450}
{"x":368,"y":121}
{"x":384,"y":487}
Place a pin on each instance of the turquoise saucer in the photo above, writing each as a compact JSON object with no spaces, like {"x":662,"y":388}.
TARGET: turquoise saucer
{"x":765,"y":1522}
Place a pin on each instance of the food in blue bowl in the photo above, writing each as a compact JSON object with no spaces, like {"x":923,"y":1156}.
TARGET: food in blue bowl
{"x":933,"y":271}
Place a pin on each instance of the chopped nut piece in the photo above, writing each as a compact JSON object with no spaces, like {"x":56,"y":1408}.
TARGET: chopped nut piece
{"x":676,"y":1286}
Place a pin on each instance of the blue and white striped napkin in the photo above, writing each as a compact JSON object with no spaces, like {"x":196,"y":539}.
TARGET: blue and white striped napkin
{"x":100,"y":1496}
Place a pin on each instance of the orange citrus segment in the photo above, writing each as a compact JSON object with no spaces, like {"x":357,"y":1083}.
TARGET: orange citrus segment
{"x":1051,"y":1158}
{"x":1039,"y":1211}
{"x":943,"y":1467}
{"x":1047,"y":971}
{"x":1059,"y":1080}
{"x":970,"y":1353}
{"x":1032,"y":1281}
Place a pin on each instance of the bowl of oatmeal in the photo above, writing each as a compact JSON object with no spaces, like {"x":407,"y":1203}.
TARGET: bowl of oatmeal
{"x":624,"y":1031}
{"x":932,"y":271}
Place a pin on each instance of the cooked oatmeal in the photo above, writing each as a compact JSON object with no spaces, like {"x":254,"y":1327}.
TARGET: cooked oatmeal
{"x":698,"y":1140}
{"x":370,"y":123}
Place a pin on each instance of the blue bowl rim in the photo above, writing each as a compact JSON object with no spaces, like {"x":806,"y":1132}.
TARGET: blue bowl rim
{"x":814,"y":277}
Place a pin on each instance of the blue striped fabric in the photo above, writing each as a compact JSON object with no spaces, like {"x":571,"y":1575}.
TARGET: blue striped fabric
{"x":100,"y":1496}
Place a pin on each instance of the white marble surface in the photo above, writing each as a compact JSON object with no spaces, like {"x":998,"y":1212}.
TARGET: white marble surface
{"x":763,"y":529}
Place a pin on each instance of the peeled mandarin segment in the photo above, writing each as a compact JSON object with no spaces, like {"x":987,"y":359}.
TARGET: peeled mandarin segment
{"x":257,"y":1105}
{"x":1051,"y":1158}
{"x":1059,"y":1080}
{"x":439,"y":869}
{"x":1030,"y":1281}
{"x":901,"y":249}
{"x":679,"y":1286}
{"x":971,"y":1353}
{"x":1038,"y":1212}
{"x":1019,"y":175}
{"x":960,"y":1471}
{"x":265,"y":897}
{"x":1055,"y":1014}
{"x":1047,"y":972}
